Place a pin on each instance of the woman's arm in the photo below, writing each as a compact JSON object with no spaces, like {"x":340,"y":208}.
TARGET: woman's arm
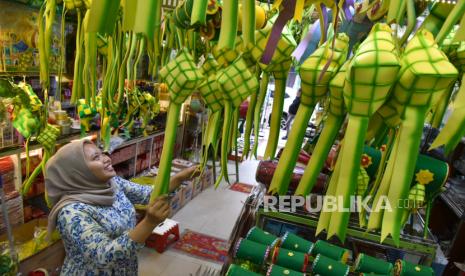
{"x":80,"y":229}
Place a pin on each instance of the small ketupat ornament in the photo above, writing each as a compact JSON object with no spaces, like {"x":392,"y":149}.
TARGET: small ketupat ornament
{"x":47,"y":138}
{"x":237,"y":83}
{"x":181,"y":76}
{"x":86,"y":114}
{"x":25,"y":122}
{"x":213,"y":98}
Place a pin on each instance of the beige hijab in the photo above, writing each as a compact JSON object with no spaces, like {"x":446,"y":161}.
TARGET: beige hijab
{"x":69,"y":180}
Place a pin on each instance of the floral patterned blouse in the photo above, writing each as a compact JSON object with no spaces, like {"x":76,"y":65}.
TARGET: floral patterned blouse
{"x":96,"y":237}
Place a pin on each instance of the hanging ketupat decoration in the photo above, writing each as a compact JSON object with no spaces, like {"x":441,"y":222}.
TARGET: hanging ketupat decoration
{"x":182,"y":77}
{"x":315,"y":77}
{"x":425,"y":75}
{"x":369,"y":78}
{"x":237,"y":83}
{"x":332,"y":125}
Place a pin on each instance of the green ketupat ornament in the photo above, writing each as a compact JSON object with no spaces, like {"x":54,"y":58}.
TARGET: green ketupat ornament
{"x":237,"y":83}
{"x":279,"y":67}
{"x":214,"y":101}
{"x":370,"y":76}
{"x":315,"y":75}
{"x":333,"y":124}
{"x":86,"y":113}
{"x":182,"y":77}
{"x":47,"y":138}
{"x":425,"y":75}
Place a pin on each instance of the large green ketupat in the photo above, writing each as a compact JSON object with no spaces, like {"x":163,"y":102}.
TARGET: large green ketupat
{"x":182,"y":77}
{"x":425,"y":75}
{"x":333,"y":123}
{"x":315,"y":77}
{"x":237,"y":83}
{"x":370,"y":76}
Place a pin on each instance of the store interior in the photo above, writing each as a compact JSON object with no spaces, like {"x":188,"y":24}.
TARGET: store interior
{"x":227,"y":137}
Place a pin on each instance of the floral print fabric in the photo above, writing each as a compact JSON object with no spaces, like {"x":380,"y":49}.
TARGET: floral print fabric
{"x":96,"y":237}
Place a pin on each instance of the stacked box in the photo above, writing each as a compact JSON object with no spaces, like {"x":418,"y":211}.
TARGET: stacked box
{"x":187,"y":191}
{"x":207,"y":179}
{"x":197,"y":186}
{"x":175,"y":201}
{"x":14,"y":207}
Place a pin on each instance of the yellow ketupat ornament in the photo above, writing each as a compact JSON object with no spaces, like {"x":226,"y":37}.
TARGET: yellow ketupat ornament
{"x":315,"y":75}
{"x":425,"y":75}
{"x":181,"y":76}
{"x":369,"y":78}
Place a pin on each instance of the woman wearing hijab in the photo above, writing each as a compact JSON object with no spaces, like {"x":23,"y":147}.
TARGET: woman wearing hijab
{"x":93,"y":210}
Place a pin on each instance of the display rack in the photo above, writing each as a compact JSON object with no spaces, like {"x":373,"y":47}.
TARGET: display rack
{"x":425,"y":248}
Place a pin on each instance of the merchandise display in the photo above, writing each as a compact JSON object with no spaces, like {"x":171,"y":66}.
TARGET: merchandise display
{"x":368,"y":180}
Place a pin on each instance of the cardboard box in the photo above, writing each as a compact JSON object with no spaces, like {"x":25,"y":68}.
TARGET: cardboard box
{"x":197,"y":186}
{"x":175,"y":201}
{"x":187,"y":190}
{"x":207,"y":179}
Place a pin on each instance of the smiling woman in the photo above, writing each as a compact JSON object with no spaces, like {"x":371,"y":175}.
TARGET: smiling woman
{"x":93,"y":210}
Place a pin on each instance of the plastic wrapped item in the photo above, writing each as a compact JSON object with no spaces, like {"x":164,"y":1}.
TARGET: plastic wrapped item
{"x":252,"y":251}
{"x":258,"y":235}
{"x":368,"y":264}
{"x":328,"y":267}
{"x":293,"y":242}
{"x":331,"y":251}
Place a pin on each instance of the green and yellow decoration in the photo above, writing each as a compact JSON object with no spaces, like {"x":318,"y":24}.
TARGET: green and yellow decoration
{"x":181,"y":76}
{"x":316,"y":75}
{"x":369,"y":78}
{"x":426,"y":73}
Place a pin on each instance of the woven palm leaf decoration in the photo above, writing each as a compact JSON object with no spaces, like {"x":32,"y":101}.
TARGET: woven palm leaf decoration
{"x":237,"y":83}
{"x":181,"y":76}
{"x":315,"y":77}
{"x":369,"y":78}
{"x":426,"y":73}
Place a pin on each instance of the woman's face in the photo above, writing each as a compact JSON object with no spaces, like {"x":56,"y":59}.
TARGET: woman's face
{"x":98,"y":163}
